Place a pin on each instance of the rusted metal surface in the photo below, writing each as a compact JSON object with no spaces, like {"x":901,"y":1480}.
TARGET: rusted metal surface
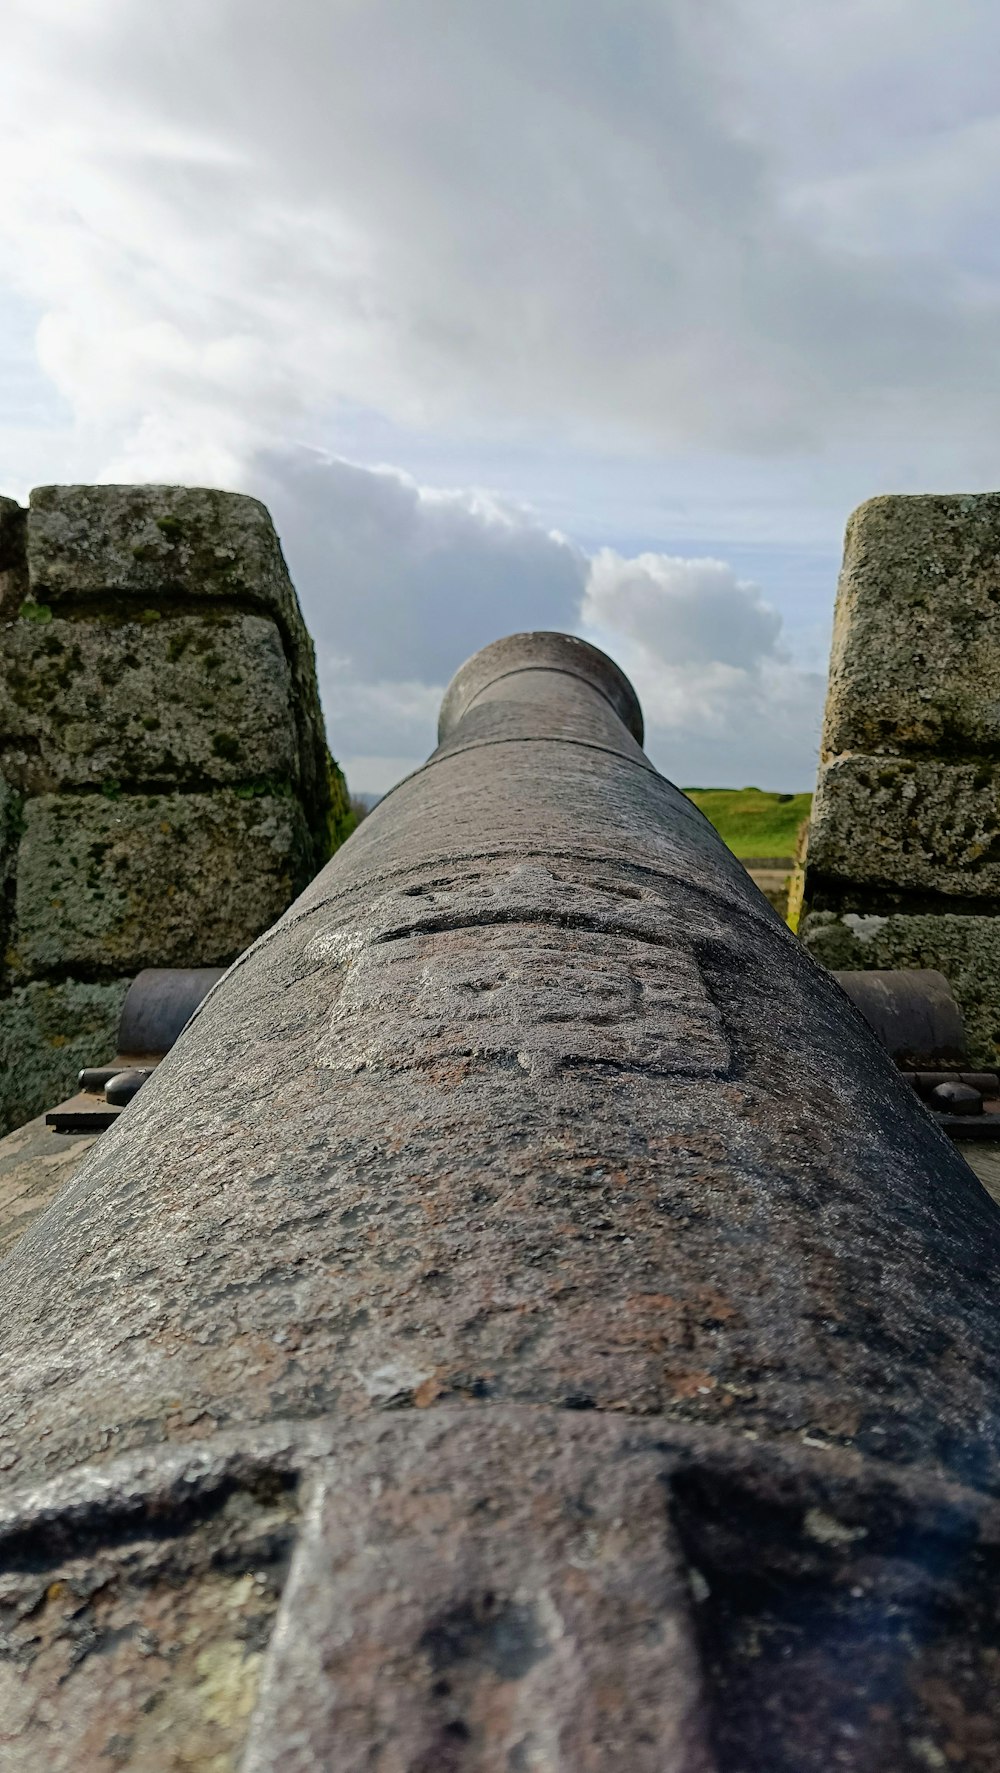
{"x":137,"y":1639}
{"x":530,"y":1208}
{"x":913,"y":1012}
{"x":965,"y":1104}
{"x":159,"y":1003}
{"x":87,"y":1111}
{"x":120,"y":1089}
{"x":518,"y":1573}
{"x":956,"y":1098}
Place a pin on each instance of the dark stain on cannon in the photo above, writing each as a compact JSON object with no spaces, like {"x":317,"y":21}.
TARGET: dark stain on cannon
{"x":502,"y":1635}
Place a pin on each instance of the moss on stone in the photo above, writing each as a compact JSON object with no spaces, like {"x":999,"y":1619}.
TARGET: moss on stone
{"x":341,"y":818}
{"x":95,"y":546}
{"x":965,"y":948}
{"x":153,"y":880}
{"x":915,"y":664}
{"x":13,"y":556}
{"x":47,"y":1033}
{"x":31,"y":611}
{"x":907,"y":824}
{"x":155,"y":645}
{"x":91,"y":701}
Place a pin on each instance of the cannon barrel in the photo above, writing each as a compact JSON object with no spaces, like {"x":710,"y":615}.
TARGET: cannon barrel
{"x":524,"y":1323}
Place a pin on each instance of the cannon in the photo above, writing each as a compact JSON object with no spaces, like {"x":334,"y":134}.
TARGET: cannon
{"x":525,"y":1322}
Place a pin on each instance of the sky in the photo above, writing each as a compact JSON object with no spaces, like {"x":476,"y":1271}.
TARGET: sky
{"x":599,"y":315}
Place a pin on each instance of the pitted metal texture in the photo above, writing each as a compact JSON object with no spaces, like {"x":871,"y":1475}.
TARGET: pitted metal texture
{"x":530,"y":1142}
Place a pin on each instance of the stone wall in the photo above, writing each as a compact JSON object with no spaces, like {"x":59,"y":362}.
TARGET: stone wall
{"x":903,"y":861}
{"x":165,"y":785}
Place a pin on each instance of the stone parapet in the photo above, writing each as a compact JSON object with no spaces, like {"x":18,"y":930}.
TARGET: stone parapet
{"x":914,"y":665}
{"x":140,"y":550}
{"x":964,"y":947}
{"x":196,"y":700}
{"x":904,"y":825}
{"x":149,"y":880}
{"x":10,"y":835}
{"x":156,"y":542}
{"x":13,"y":557}
{"x":902,"y":866}
{"x":47,"y":1032}
{"x":165,"y":784}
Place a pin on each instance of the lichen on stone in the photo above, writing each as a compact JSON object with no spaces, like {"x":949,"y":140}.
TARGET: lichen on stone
{"x":163,"y":753}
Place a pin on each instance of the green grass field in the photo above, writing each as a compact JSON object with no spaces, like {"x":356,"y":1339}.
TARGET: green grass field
{"x":752,"y":822}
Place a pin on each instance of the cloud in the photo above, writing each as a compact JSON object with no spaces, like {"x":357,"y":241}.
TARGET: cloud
{"x":399,"y":584}
{"x":407,"y":580}
{"x":707,"y":656}
{"x":686,"y":612}
{"x":627,"y":224}
{"x":729,"y":264}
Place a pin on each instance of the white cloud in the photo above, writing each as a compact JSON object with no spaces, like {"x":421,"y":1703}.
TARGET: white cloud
{"x":686,"y":612}
{"x":705,"y":651}
{"x":399,"y":584}
{"x":632,"y":222}
{"x":405,"y":579}
{"x":730,"y":263}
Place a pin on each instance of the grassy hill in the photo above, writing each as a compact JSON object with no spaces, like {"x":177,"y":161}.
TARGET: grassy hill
{"x":752,"y":822}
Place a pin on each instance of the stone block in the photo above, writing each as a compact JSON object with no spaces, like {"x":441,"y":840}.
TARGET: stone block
{"x":915,"y":663}
{"x":13,"y":556}
{"x":903,"y":860}
{"x":965,"y":948}
{"x":116,"y":884}
{"x":189,"y":700}
{"x":10,"y":837}
{"x":47,"y":1033}
{"x":154,"y":547}
{"x":153,"y":543}
{"x":904,"y":825}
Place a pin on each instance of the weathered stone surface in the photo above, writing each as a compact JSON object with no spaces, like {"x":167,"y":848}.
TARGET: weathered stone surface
{"x":13,"y":555}
{"x":155,"y":546}
{"x":915,"y":663}
{"x":155,"y":542}
{"x":35,"y":1164}
{"x":910,"y":824}
{"x":965,"y":948}
{"x":902,"y":867}
{"x":150,"y":642}
{"x":47,"y":1032}
{"x":152,"y":880}
{"x":190,"y":700}
{"x":10,"y":831}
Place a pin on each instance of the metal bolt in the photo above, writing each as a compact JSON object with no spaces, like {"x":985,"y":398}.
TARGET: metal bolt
{"x":123,"y":1086}
{"x":95,"y":1078}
